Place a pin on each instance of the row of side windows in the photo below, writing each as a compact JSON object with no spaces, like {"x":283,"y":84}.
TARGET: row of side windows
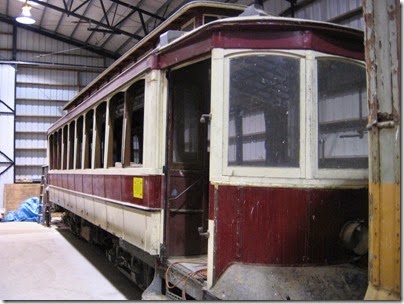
{"x":108,"y":135}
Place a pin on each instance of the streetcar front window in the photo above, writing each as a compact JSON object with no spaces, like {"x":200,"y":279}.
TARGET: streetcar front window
{"x":342,"y":115}
{"x":264,"y":127}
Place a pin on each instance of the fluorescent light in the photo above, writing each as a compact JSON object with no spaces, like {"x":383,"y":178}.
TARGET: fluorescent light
{"x":25,"y":17}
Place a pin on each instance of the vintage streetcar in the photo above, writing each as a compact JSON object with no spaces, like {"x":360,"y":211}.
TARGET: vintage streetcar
{"x":225,"y":156}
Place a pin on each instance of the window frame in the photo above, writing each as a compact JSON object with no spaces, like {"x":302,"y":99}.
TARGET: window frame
{"x":251,"y":171}
{"x":329,"y":173}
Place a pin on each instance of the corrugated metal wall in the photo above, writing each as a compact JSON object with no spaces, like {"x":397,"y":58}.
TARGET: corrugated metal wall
{"x":48,"y":74}
{"x":7,"y":109}
{"x":344,"y":12}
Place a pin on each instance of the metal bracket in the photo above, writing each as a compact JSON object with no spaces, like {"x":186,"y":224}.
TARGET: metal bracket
{"x":204,"y":234}
{"x":205,"y":118}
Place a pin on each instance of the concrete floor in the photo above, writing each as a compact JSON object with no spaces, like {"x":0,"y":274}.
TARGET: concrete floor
{"x":41,"y":263}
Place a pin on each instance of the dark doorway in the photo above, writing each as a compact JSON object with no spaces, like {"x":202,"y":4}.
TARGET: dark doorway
{"x":188,"y":164}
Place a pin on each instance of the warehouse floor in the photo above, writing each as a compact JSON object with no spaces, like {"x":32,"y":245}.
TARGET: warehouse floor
{"x":41,"y":263}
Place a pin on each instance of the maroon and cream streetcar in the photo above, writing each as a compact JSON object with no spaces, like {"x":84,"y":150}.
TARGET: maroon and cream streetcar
{"x":224,"y":156}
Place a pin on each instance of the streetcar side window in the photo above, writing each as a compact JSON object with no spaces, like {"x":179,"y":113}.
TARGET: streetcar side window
{"x":264,"y":121}
{"x":88,"y":133}
{"x":79,"y":147}
{"x":55,"y":150}
{"x":342,"y":115}
{"x":72,"y":128}
{"x":59,"y":150}
{"x":64,"y":145}
{"x":133,"y":124}
{"x":116,"y":109}
{"x":51,"y":145}
{"x":100,"y":117}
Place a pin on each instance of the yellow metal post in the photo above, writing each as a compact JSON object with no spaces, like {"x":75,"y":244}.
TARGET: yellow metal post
{"x":383,"y":57}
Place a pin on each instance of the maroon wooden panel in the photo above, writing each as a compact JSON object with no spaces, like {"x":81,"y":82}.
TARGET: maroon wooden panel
{"x":293,"y":39}
{"x":113,"y":187}
{"x":127,"y":191}
{"x":227,"y":229}
{"x":70,"y":181}
{"x":186,"y":213}
{"x":266,"y":35}
{"x":329,"y":210}
{"x":283,"y":226}
{"x":99,"y":185}
{"x":88,"y":183}
{"x":65,"y":181}
{"x":152,"y":191}
{"x":51,"y":179}
{"x":78,"y":182}
{"x":183,"y":232}
{"x":274,"y":226}
{"x":58,"y":180}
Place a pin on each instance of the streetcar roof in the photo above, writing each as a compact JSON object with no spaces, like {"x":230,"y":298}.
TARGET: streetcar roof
{"x":149,"y":43}
{"x":192,"y":9}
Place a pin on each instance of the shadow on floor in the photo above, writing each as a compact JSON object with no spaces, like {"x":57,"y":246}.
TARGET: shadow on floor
{"x":96,"y":256}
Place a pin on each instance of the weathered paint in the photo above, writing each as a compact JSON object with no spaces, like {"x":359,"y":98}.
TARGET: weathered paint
{"x":383,"y":54}
{"x":267,"y":34}
{"x":283,"y":226}
{"x":385,"y":218}
{"x":114,"y":187}
{"x":134,"y":225}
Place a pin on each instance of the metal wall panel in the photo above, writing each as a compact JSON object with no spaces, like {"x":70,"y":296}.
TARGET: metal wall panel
{"x":40,"y":96}
{"x":276,"y":7}
{"x":326,"y":10}
{"x":321,"y":10}
{"x":7,"y":92}
{"x":50,"y":74}
{"x":37,"y":48}
{"x":6,"y":40}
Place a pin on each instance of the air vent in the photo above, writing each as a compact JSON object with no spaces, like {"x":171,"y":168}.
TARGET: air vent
{"x":169,"y":36}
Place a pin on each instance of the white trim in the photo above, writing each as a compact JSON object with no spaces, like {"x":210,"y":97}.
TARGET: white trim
{"x":311,"y":112}
{"x":216,"y":108}
{"x":264,"y":171}
{"x":211,"y":252}
{"x":307,"y":175}
{"x":154,"y":123}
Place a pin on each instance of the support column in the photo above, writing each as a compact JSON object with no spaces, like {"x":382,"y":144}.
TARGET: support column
{"x":383,"y":57}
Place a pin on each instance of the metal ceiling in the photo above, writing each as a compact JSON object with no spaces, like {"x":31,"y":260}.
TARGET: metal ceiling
{"x":106,"y":27}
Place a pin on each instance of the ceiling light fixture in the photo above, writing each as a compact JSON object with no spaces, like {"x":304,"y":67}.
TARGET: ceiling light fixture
{"x":25,"y":17}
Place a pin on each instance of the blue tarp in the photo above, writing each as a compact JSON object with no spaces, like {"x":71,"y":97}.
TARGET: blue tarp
{"x":27,"y":212}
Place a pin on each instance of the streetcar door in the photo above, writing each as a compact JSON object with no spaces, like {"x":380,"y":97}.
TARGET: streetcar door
{"x":188,"y":160}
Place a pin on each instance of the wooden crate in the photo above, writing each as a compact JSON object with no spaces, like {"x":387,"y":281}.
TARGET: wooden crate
{"x":15,"y":194}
